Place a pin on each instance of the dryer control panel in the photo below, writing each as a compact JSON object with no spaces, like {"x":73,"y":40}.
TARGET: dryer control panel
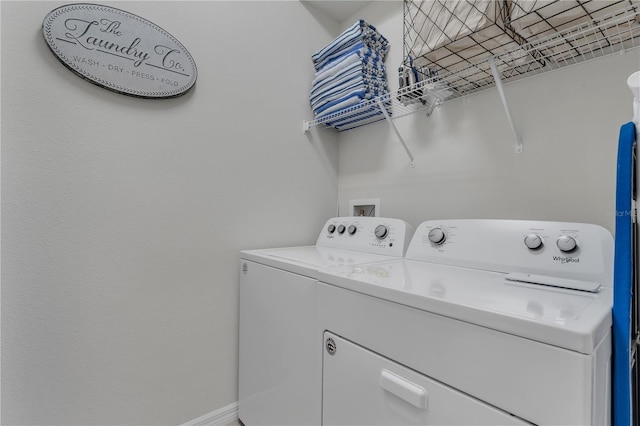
{"x":576,"y":251}
{"x":388,"y":236}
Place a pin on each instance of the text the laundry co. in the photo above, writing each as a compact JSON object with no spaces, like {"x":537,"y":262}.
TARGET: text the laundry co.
{"x":119,"y":51}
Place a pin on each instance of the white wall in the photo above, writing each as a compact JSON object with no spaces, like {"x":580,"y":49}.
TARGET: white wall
{"x":465,"y":165}
{"x":122,"y":218}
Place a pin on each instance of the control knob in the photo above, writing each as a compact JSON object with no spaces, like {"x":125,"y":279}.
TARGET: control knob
{"x":437,"y":236}
{"x":567,"y":243}
{"x":381,"y":232}
{"x":341,"y":229}
{"x":331,"y":229}
{"x":352,"y":229}
{"x":533,"y":241}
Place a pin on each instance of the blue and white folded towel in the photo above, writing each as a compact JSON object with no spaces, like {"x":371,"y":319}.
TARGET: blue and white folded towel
{"x":358,"y":82}
{"x":349,"y":98}
{"x":361,"y":116}
{"x":337,"y":54}
{"x":347,"y":75}
{"x":377,"y":86}
{"x":359,"y":32}
{"x":368,"y":116}
{"x":362,"y":55}
{"x":350,"y":75}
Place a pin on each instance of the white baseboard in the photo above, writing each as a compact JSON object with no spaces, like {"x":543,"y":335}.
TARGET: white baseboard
{"x":221,"y":417}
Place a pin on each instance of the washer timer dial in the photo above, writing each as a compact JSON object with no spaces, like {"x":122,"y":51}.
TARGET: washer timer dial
{"x":381,"y":232}
{"x":566,"y":243}
{"x":437,"y":236}
{"x":533,"y":241}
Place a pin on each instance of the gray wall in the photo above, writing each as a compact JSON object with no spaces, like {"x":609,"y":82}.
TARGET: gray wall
{"x":465,"y":165}
{"x":122,"y":218}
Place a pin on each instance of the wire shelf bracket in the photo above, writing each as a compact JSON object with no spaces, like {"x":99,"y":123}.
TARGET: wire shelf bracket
{"x":397,"y":133}
{"x":378,"y":103}
{"x":505,"y":104}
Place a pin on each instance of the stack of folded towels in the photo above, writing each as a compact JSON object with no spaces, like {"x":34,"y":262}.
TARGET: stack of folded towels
{"x":350,"y":71}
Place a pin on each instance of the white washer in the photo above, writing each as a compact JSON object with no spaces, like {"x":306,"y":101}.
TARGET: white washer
{"x":279,"y":356}
{"x":479,"y":324}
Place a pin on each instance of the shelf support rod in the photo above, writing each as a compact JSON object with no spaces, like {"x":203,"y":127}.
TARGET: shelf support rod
{"x":498,"y":80}
{"x":395,"y":130}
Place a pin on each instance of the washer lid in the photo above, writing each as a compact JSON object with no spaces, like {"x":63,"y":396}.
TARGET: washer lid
{"x":571,"y":319}
{"x":306,"y":260}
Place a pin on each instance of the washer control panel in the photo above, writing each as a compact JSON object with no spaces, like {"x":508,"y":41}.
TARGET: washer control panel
{"x":369,"y":234}
{"x":560,"y":249}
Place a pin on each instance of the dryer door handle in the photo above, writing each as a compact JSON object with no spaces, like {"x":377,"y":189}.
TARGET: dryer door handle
{"x":403,"y":388}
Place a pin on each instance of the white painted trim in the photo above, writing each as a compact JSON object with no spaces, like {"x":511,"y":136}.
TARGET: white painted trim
{"x":220,"y":417}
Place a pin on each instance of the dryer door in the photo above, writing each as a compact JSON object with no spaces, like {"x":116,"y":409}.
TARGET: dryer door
{"x":361,"y":387}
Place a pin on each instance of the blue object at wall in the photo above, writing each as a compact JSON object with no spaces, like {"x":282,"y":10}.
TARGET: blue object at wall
{"x":623,"y":404}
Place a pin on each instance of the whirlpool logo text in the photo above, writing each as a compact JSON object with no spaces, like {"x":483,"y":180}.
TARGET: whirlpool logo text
{"x":566,"y":259}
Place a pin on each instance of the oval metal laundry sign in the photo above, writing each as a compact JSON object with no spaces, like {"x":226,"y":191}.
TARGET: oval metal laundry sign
{"x":119,"y":51}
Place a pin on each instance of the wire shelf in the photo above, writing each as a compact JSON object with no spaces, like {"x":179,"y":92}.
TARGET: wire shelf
{"x":556,"y":39}
{"x":599,"y":36}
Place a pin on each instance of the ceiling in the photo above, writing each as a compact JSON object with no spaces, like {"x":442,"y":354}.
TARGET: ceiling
{"x":339,"y":10}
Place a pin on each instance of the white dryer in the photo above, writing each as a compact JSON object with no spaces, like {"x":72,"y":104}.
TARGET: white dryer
{"x":279,"y":358}
{"x":484,"y":322}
